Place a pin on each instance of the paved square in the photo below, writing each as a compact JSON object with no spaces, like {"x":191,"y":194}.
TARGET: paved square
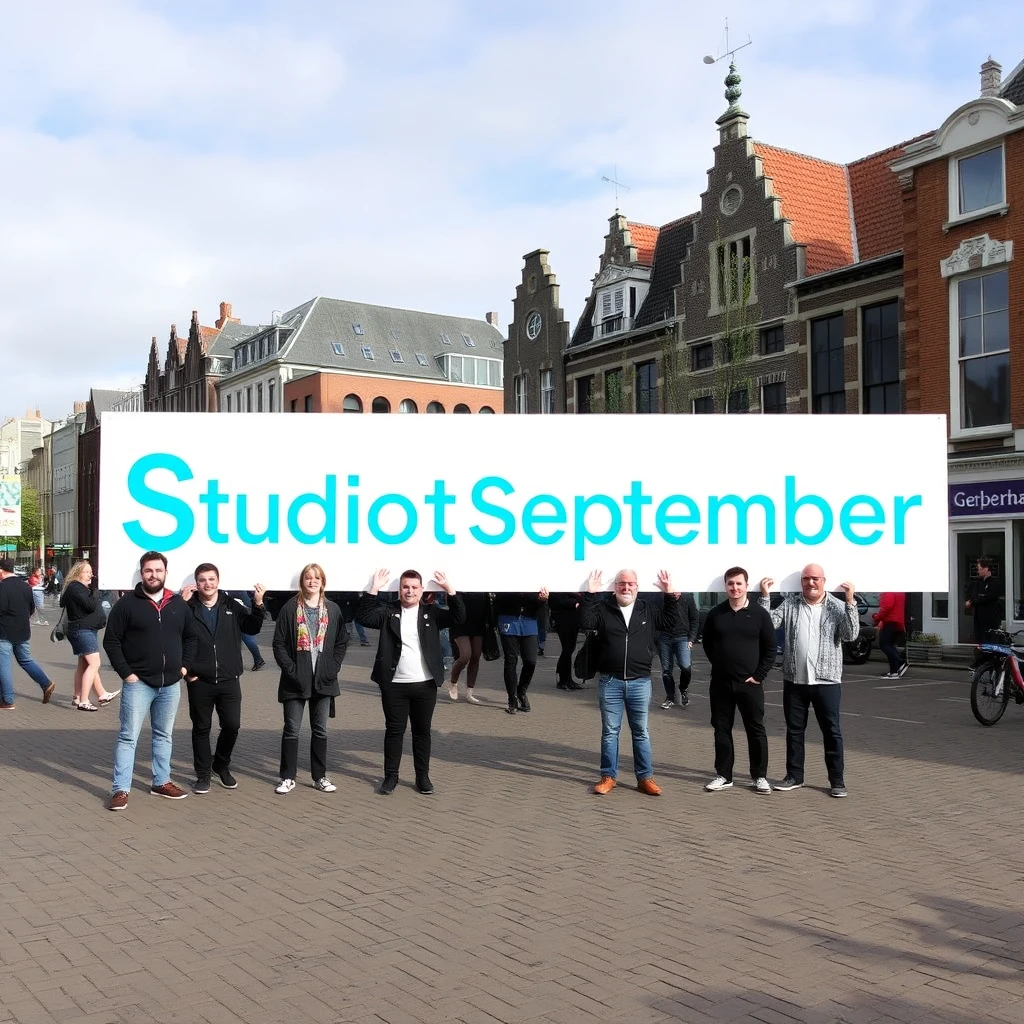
{"x":513,"y":894}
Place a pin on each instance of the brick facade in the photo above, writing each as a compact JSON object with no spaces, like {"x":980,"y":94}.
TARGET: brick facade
{"x":326,"y":392}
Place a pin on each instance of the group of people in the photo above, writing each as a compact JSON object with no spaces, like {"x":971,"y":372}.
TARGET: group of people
{"x":155,"y":638}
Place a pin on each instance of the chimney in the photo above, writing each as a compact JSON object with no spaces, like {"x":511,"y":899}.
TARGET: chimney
{"x":225,"y":315}
{"x":492,"y":319}
{"x":79,"y":407}
{"x":991,"y":77}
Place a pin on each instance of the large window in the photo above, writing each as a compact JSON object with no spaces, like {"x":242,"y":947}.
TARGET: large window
{"x":739,"y":401}
{"x":773,"y":339}
{"x":307,"y":403}
{"x":584,"y":389}
{"x":705,"y":404}
{"x":647,"y":387}
{"x":703,"y":356}
{"x":519,"y":392}
{"x":984,"y":350}
{"x":352,"y":403}
{"x":270,"y":395}
{"x":773,"y":397}
{"x":547,"y":391}
{"x":259,"y":398}
{"x":827,"y":373}
{"x":732,"y":279}
{"x":407,"y":405}
{"x":980,"y":181}
{"x":380,"y":405}
{"x":614,"y":392}
{"x":881,"y":334}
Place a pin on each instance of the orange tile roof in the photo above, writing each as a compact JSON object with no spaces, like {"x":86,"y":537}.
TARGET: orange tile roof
{"x":645,"y":237}
{"x":816,"y":200}
{"x":182,"y":344}
{"x":877,"y":206}
{"x":206,"y":337}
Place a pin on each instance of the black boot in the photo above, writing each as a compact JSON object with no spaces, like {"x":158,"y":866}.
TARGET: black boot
{"x":513,"y":706}
{"x":387,"y":787}
{"x":424,"y":785}
{"x":524,"y":704}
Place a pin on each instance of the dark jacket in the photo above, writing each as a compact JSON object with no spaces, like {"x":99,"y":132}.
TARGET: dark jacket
{"x":739,"y":644}
{"x":152,"y":642}
{"x":17,"y":606}
{"x":689,"y":621}
{"x":82,"y":607}
{"x":297,"y":676}
{"x":565,"y":609}
{"x":219,"y":655}
{"x":518,"y":604}
{"x":388,"y":619}
{"x":987,"y":604}
{"x":627,"y":653}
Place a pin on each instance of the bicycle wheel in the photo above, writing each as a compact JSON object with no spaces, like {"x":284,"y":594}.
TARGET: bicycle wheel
{"x":990,"y":692}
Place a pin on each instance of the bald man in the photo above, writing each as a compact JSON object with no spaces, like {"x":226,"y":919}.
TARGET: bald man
{"x":815,"y":623}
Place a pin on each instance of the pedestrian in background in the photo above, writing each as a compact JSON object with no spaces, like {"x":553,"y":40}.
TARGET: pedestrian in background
{"x":677,"y":647}
{"x":986,"y":602}
{"x":517,"y":626}
{"x":16,"y":607}
{"x":565,"y":610}
{"x":891,"y":622}
{"x":469,"y":641}
{"x":85,"y":618}
{"x":38,"y":585}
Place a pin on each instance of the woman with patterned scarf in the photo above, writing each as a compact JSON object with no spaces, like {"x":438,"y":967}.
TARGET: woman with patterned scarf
{"x":309,"y":646}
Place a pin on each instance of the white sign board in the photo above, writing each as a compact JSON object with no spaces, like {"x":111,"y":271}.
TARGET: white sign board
{"x":520,"y":502}
{"x":10,"y":506}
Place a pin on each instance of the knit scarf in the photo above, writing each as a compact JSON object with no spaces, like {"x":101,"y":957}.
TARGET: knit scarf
{"x":302,"y":630}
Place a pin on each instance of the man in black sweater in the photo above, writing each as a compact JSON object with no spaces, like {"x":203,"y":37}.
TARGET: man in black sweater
{"x":739,"y":641}
{"x":220,"y":622}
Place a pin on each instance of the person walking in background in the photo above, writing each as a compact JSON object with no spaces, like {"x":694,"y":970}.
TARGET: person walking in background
{"x":625,"y":632}
{"x":565,"y":610}
{"x":221,"y":624}
{"x":891,"y":622}
{"x":517,"y":626}
{"x":85,"y":619}
{"x":986,"y":602}
{"x":309,"y":646}
{"x":739,"y":641}
{"x":38,"y":585}
{"x":150,"y":642}
{"x":468,"y":636}
{"x":816,"y":624}
{"x":677,"y":647}
{"x":17,"y":605}
{"x":409,"y":666}
{"x":249,"y":641}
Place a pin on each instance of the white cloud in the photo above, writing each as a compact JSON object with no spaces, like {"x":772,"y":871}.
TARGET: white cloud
{"x":401,"y":153}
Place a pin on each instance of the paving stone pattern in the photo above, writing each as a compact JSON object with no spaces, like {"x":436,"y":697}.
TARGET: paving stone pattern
{"x":513,"y":894}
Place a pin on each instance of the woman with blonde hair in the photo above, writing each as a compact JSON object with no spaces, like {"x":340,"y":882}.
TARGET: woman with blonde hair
{"x":309,"y":647}
{"x":85,"y":618}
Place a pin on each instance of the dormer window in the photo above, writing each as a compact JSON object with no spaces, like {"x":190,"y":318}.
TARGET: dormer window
{"x":396,"y":356}
{"x":980,"y":182}
{"x":445,"y":340}
{"x":337,"y":348}
{"x":357,"y":329}
{"x":367,"y":352}
{"x":469,"y":342}
{"x":421,"y":358}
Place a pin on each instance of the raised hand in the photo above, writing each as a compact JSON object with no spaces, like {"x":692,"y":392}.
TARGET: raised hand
{"x":441,"y":579}
{"x":380,"y":579}
{"x":847,"y":587}
{"x":594,"y":582}
{"x":766,"y":584}
{"x":664,"y":581}
{"x":258,"y":591}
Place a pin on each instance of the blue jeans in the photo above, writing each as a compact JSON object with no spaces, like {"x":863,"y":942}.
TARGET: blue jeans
{"x":23,"y":655}
{"x":253,"y":648}
{"x":138,"y":700}
{"x":632,"y":696}
{"x":677,"y":649}
{"x":825,"y":698}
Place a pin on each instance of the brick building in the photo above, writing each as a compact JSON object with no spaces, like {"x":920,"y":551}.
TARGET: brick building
{"x":963,"y":212}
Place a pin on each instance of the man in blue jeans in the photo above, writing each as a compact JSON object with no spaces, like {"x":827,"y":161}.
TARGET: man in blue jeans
{"x":150,"y":639}
{"x":678,"y":647}
{"x":17,"y":606}
{"x":625,"y":646}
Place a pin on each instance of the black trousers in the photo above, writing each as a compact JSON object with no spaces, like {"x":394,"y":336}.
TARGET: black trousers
{"x":726,"y":698}
{"x":402,"y":703}
{"x":319,"y":712}
{"x":514,"y":648}
{"x":567,"y":641}
{"x":203,"y":699}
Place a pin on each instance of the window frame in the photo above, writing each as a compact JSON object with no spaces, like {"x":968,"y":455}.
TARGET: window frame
{"x":955,"y":213}
{"x":886,"y":384}
{"x":702,"y":412}
{"x":764,"y":405}
{"x":645,"y":392}
{"x":547,"y":391}
{"x":816,"y":395}
{"x":708,"y":348}
{"x":520,"y":394}
{"x":780,"y":330}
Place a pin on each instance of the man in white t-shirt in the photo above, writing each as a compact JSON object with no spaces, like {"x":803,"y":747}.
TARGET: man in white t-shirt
{"x":409,"y":666}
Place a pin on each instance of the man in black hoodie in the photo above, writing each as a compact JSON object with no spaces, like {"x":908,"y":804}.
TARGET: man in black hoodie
{"x":220,"y":622}
{"x":149,"y":641}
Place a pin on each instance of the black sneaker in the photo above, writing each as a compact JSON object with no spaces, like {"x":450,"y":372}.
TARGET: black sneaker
{"x":227,"y":780}
{"x":513,"y":706}
{"x":838,"y":791}
{"x":684,"y":698}
{"x":902,"y":670}
{"x":424,"y":785}
{"x":787,"y":784}
{"x":388,"y":786}
{"x":258,"y":665}
{"x":524,"y":704}
{"x":201,"y":787}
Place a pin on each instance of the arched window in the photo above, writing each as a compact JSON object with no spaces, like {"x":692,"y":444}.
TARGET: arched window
{"x":435,"y":407}
{"x":461,"y":408}
{"x":486,"y":409}
{"x":381,"y":405}
{"x":353,"y":403}
{"x":408,"y":405}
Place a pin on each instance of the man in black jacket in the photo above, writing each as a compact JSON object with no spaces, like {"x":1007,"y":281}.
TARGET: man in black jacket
{"x":17,"y":606}
{"x":986,"y":603}
{"x":678,"y":647}
{"x":739,"y":640}
{"x":625,"y":651}
{"x":220,"y":622}
{"x":149,"y":641}
{"x":409,"y":666}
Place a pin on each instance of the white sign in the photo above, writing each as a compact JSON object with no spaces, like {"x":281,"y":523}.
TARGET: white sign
{"x":520,"y":502}
{"x":10,"y":506}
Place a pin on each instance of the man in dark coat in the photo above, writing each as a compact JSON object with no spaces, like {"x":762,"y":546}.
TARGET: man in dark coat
{"x":987,"y":602}
{"x":17,"y":606}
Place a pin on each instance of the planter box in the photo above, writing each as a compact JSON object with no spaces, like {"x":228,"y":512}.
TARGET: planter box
{"x":921,"y":654}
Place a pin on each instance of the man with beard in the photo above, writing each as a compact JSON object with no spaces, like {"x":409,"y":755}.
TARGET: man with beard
{"x":150,"y":639}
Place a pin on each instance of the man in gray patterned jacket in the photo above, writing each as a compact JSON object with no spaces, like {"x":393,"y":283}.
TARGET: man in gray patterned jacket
{"x":815,"y":623}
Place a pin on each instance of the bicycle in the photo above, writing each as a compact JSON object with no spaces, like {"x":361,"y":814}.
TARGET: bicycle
{"x":997,"y":677}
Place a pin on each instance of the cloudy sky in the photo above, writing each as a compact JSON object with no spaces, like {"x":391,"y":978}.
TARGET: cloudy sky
{"x":161,"y":157}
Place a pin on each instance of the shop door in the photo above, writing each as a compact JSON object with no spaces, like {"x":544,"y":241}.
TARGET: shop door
{"x":969,"y":548}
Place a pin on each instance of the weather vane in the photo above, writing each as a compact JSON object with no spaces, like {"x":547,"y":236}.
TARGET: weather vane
{"x":727,"y":52}
{"x":618,"y":184}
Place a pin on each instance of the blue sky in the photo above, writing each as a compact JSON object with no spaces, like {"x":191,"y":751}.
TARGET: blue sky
{"x":167,"y":156}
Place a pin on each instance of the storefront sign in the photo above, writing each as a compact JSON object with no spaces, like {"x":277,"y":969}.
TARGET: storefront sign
{"x":989,"y":498}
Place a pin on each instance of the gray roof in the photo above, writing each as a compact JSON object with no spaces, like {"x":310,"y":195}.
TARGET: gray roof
{"x":1013,"y":86}
{"x":104,"y":401}
{"x":322,"y":323}
{"x":228,"y":336}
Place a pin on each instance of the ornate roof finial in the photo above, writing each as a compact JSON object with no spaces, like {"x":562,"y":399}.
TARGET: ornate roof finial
{"x":732,"y":87}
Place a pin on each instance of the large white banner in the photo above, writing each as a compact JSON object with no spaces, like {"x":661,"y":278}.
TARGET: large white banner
{"x":520,"y":502}
{"x":10,"y":506}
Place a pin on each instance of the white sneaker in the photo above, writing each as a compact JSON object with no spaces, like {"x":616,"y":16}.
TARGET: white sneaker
{"x":717,"y":783}
{"x":285,"y":786}
{"x":903,"y":670}
{"x":324,"y":785}
{"x":889,"y":675}
{"x":453,"y":691}
{"x":668,"y":704}
{"x":472,"y":697}
{"x":761,"y":786}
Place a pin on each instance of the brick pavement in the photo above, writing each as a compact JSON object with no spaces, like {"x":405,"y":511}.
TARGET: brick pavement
{"x":513,"y":894}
